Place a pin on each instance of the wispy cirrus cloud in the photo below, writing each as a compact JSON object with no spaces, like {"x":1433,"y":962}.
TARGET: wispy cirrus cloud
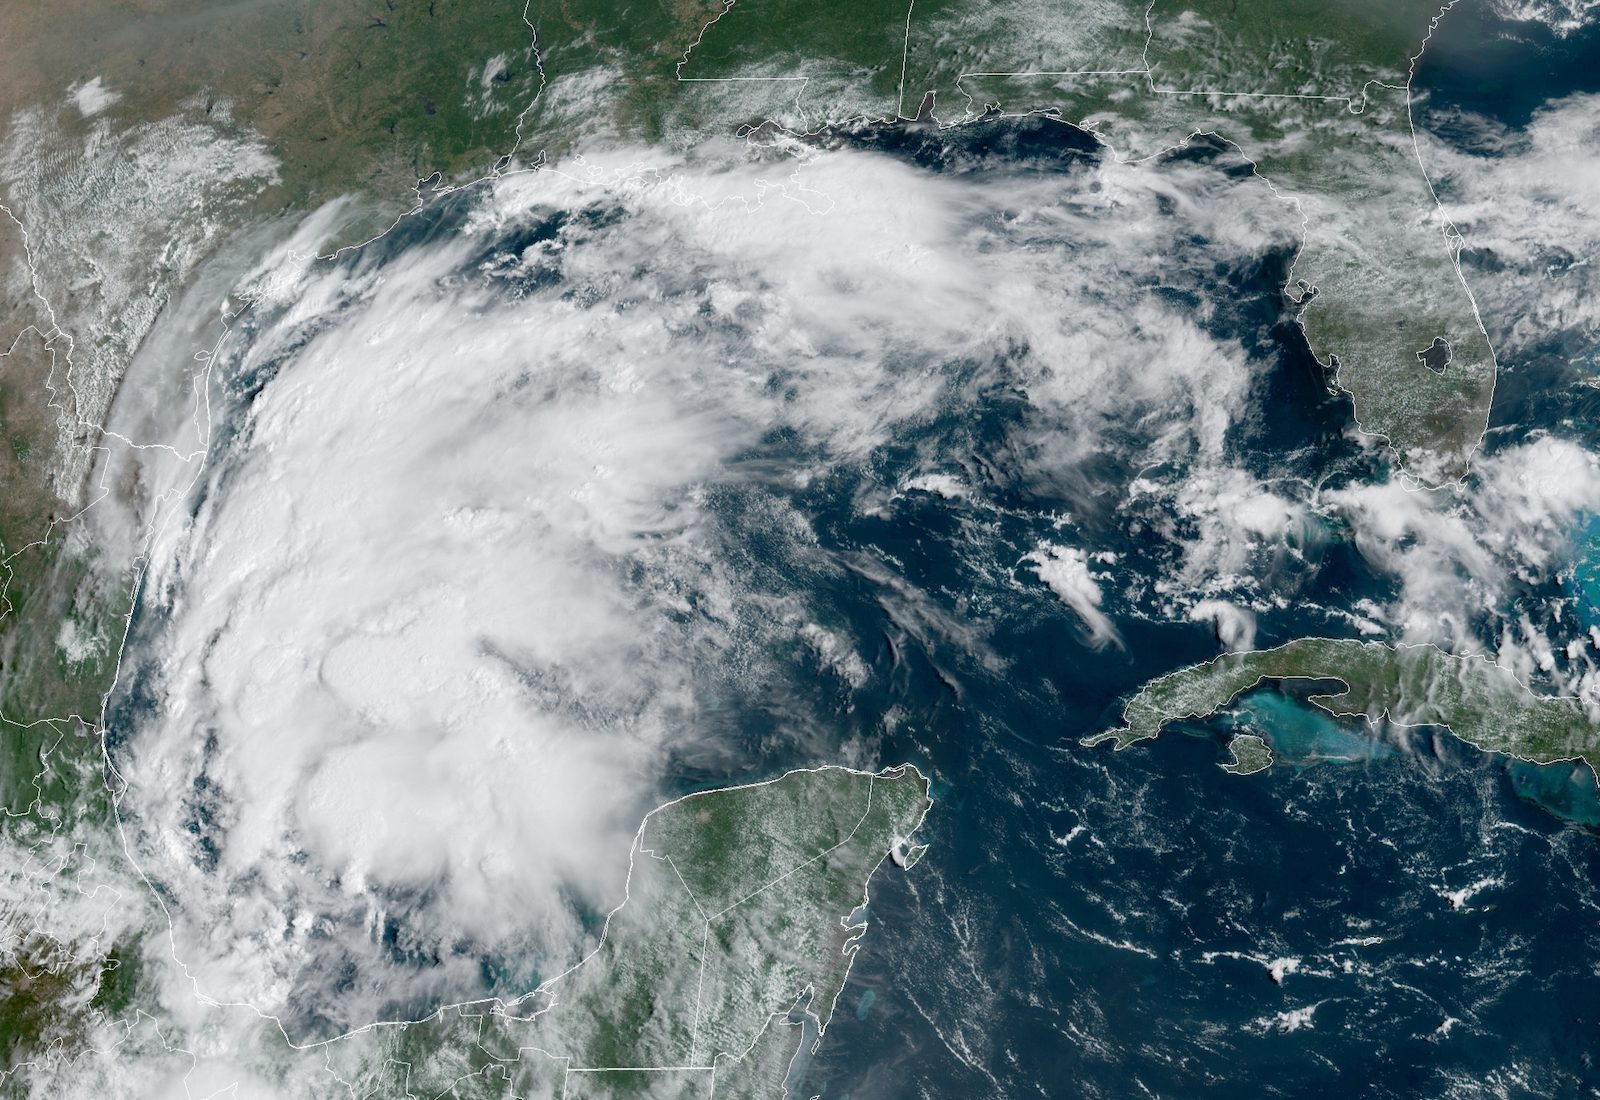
{"x":476,"y":549}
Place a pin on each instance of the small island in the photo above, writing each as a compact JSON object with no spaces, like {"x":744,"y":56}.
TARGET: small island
{"x":1250,"y":755}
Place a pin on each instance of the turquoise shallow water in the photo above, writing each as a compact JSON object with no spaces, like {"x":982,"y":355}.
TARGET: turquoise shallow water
{"x":1566,"y":789}
{"x":1109,"y":924}
{"x":1584,"y":584}
{"x":1302,"y":734}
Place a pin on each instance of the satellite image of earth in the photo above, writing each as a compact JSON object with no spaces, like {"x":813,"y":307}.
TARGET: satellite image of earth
{"x":939,"y":549}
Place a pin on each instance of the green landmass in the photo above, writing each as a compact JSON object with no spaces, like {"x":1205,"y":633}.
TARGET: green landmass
{"x":737,"y":917}
{"x":216,"y":115}
{"x":1250,"y":755}
{"x":312,"y":101}
{"x":70,"y":916}
{"x":1478,"y":700}
{"x":351,"y":95}
{"x":1313,"y":94}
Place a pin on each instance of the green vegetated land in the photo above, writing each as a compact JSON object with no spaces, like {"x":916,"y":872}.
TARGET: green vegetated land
{"x":67,"y":966}
{"x":209,"y":115}
{"x":302,"y":101}
{"x":350,"y":97}
{"x":1481,"y":702}
{"x":366,"y":96}
{"x":1250,"y":755}
{"x":1313,"y":93}
{"x":737,"y":914}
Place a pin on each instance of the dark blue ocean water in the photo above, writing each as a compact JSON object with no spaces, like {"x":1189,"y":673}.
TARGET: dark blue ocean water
{"x":1479,"y":82}
{"x":1382,"y":913}
{"x":1093,"y":923}
{"x":1482,"y":63}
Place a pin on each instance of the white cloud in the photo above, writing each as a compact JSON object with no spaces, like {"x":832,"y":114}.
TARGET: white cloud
{"x":1066,"y":570}
{"x":1234,"y":515}
{"x":1235,"y":625}
{"x":118,"y":219}
{"x":1456,"y":553}
{"x":1530,"y":218}
{"x":458,"y":583}
{"x":944,"y":485}
{"x":92,"y":97}
{"x":1561,"y":16}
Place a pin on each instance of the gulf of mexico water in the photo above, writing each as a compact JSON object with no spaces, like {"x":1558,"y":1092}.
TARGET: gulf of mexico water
{"x":1385,"y":912}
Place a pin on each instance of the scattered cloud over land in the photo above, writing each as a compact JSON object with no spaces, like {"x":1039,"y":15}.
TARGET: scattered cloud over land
{"x":460,"y":576}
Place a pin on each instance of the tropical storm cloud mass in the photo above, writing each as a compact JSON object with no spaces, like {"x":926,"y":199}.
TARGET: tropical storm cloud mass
{"x":473,"y":569}
{"x":645,"y":612}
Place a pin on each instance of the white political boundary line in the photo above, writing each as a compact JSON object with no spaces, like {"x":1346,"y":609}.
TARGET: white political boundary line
{"x":1454,"y":243}
{"x":872,"y":782}
{"x":1350,"y":102}
{"x":34,"y":868}
{"x":95,"y":437}
{"x":851,"y":945}
{"x":1149,"y":73}
{"x":700,"y":989}
{"x":705,"y":942}
{"x":500,"y":169}
{"x":905,"y":57}
{"x":872,"y":778}
{"x":643,"y":1069}
{"x":1355,"y":104}
{"x":202,"y":420}
{"x":677,"y":70}
{"x":495,"y":1007}
{"x":905,"y":53}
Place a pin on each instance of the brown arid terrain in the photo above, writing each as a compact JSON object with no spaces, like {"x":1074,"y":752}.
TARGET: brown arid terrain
{"x":134,"y":138}
{"x":351,"y":95}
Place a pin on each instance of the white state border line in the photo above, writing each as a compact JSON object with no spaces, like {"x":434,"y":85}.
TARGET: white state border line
{"x":851,"y":946}
{"x":1355,"y":103}
{"x":871,"y":785}
{"x":1453,"y":240}
{"x":497,"y":1007}
{"x":499,"y":170}
{"x":705,"y":943}
{"x":643,"y":1069}
{"x":872,"y":779}
{"x":905,"y":58}
{"x":200,"y":457}
{"x":95,"y":438}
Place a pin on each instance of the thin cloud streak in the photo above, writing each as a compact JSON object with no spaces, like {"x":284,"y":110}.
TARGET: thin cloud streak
{"x":456,"y":578}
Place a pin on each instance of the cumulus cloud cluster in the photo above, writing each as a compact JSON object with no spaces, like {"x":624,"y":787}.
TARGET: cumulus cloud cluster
{"x":1066,"y":570}
{"x":1562,"y":16}
{"x":459,"y":579}
{"x":497,"y":514}
{"x":1527,"y":203}
{"x":1476,"y":568}
{"x":1463,"y":558}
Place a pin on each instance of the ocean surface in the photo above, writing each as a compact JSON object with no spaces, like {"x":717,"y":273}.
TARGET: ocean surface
{"x":1384,"y":912}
